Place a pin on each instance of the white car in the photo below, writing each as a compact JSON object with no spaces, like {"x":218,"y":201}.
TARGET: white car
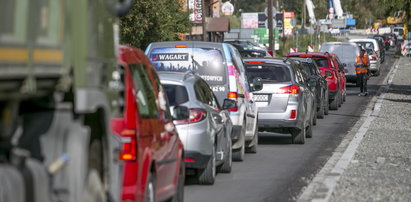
{"x":370,"y":43}
{"x":375,"y":63}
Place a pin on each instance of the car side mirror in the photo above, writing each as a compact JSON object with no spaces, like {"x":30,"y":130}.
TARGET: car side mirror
{"x":257,"y":84}
{"x":341,"y":67}
{"x":180,"y":113}
{"x":344,"y":64}
{"x":229,"y":104}
{"x":312,"y":83}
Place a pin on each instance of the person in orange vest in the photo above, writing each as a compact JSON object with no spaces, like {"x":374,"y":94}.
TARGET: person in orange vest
{"x":362,"y":70}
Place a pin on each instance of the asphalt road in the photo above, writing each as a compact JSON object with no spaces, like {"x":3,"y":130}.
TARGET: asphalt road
{"x":280,"y":170}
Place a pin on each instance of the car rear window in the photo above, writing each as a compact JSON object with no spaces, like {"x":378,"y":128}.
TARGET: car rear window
{"x":208,"y":63}
{"x":366,"y":44}
{"x":268,"y":73}
{"x":321,"y":61}
{"x":176,"y":94}
{"x":344,"y":52}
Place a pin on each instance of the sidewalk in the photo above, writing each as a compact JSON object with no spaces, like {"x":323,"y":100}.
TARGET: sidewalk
{"x":374,"y":164}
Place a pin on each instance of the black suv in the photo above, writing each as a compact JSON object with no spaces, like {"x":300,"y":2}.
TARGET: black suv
{"x":320,"y":89}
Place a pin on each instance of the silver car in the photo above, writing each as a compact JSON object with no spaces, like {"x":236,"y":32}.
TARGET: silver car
{"x":206,"y":134}
{"x":286,"y":103}
{"x":375,"y":63}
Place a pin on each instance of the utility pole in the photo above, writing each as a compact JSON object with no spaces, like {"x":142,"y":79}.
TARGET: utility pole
{"x":270,"y":27}
{"x":203,"y":20}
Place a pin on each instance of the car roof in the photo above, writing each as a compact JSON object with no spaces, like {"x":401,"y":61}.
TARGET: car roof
{"x":308,"y":54}
{"x":177,"y":77}
{"x":168,"y":44}
{"x":364,"y":40}
{"x":282,"y":61}
{"x":339,"y":43}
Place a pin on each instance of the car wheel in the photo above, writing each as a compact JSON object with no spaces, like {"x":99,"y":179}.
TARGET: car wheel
{"x":298,"y":136}
{"x":345,"y":96}
{"x":315,"y":117}
{"x":326,"y":104}
{"x":320,"y":112}
{"x":228,"y":160}
{"x":179,"y":195}
{"x":253,"y":149}
{"x":207,"y":176}
{"x":309,"y":132}
{"x":339,"y":99}
{"x":149,"y":193}
{"x":238,"y":154}
{"x":334,"y":104}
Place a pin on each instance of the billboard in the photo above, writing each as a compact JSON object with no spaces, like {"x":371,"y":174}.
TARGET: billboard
{"x":196,"y":7}
{"x":249,"y":20}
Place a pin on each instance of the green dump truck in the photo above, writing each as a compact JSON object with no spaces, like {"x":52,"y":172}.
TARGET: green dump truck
{"x":57,"y":95}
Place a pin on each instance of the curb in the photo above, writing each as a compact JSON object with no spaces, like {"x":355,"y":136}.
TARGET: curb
{"x":322,"y":186}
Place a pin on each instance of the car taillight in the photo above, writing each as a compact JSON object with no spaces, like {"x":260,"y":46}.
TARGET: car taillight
{"x":189,"y":160}
{"x":293,"y":114}
{"x":129,"y":145}
{"x":377,"y":52}
{"x":373,"y":58}
{"x":293,"y":89}
{"x":232,"y":95}
{"x":329,"y":75}
{"x":196,"y":115}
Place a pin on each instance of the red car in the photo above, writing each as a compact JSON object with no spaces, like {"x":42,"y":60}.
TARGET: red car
{"x":153,"y":168}
{"x":334,"y":74}
{"x":343,"y":80}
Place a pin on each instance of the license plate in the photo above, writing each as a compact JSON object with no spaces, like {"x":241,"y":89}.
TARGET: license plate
{"x":260,"y":98}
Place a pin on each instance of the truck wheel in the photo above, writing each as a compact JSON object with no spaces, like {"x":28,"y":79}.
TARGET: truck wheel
{"x":207,"y":176}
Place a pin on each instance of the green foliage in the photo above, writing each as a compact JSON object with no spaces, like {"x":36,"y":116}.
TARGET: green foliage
{"x":235,"y":21}
{"x":151,"y":21}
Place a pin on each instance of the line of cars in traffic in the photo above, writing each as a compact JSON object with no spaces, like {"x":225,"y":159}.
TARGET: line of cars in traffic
{"x":191,"y":108}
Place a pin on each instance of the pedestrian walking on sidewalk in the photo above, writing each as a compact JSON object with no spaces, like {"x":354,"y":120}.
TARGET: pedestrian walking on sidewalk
{"x":362,"y":70}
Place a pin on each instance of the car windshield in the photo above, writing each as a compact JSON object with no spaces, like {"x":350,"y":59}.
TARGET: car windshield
{"x":176,"y":94}
{"x":269,"y":73}
{"x":321,"y":61}
{"x":346,"y":53}
{"x":206,"y":62}
{"x":366,"y":44}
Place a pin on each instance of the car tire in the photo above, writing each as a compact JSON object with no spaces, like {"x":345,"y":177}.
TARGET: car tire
{"x":207,"y":176}
{"x":315,"y":117}
{"x":150,"y":189}
{"x":253,"y":149}
{"x":298,"y":136}
{"x":309,"y":132}
{"x":326,"y":104}
{"x":228,"y":160}
{"x":345,"y":96}
{"x":238,"y":154}
{"x":334,"y":104}
{"x":339,"y":99}
{"x":320,"y":112}
{"x":179,"y":195}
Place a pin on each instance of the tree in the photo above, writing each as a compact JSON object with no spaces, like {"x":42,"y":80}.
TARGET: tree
{"x":151,"y":21}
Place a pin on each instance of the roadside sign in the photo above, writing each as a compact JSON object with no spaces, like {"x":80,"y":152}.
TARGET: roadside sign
{"x":310,"y":48}
{"x":227,"y":8}
{"x":196,"y":7}
{"x":249,"y":20}
{"x":293,"y":50}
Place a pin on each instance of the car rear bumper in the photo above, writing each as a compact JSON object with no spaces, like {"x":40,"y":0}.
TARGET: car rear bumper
{"x":197,"y":160}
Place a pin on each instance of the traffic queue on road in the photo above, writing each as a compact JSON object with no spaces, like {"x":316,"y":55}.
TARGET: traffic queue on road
{"x":191,"y":108}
